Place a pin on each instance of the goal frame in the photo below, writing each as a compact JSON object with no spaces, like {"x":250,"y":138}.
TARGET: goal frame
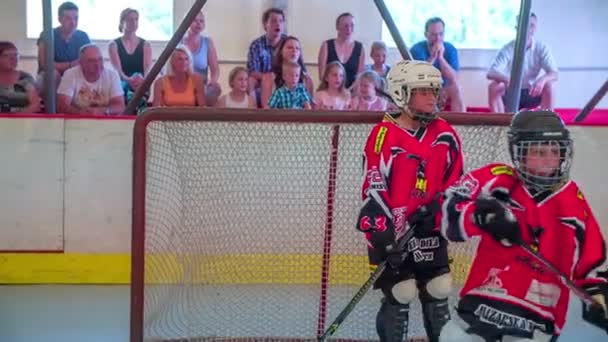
{"x":176,"y":114}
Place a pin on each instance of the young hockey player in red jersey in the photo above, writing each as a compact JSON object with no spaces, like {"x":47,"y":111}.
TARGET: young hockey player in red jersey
{"x":409,"y":159}
{"x":509,"y":295}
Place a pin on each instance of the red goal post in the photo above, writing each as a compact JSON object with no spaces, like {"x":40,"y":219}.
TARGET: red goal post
{"x":243,"y":221}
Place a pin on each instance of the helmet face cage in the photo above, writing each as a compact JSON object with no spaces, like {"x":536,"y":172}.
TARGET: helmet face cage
{"x":542,"y":177}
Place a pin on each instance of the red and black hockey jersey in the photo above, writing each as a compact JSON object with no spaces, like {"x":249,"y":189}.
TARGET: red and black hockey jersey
{"x":405,"y":169}
{"x":559,"y":225}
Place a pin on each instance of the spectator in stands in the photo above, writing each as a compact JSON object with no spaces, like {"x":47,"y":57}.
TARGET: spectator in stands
{"x":378,"y":54}
{"x":67,"y":40}
{"x":344,"y":49}
{"x":89,"y":88}
{"x":130,"y":55}
{"x":261,"y":50}
{"x":17,"y":88}
{"x":289,"y":50}
{"x":332,"y":93}
{"x":238,"y":97}
{"x":444,"y":57}
{"x":535,"y":90}
{"x":367,"y":98}
{"x":292,"y":94}
{"x":181,"y":86}
{"x":204,"y":58}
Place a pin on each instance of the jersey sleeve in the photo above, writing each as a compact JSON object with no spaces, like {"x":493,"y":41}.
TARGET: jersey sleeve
{"x":454,"y":159}
{"x":590,"y":267}
{"x":458,"y":204}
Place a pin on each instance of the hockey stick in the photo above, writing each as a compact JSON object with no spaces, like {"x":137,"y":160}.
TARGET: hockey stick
{"x":579,"y":292}
{"x":364,"y":288}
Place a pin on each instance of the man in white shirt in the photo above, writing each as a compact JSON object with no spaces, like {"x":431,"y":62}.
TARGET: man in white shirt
{"x":89,"y":88}
{"x":535,"y":91}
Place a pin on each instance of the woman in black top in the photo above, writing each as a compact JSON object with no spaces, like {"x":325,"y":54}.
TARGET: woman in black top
{"x":344,"y":49}
{"x":130,"y":55}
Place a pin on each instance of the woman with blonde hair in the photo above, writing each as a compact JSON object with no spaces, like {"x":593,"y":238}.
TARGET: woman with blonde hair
{"x":181,"y":86}
{"x":204,"y":57}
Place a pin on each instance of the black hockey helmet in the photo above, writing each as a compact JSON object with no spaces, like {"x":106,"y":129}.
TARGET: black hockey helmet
{"x":531,"y":129}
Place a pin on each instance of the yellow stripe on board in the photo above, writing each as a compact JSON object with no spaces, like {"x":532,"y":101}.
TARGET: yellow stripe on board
{"x":72,"y":268}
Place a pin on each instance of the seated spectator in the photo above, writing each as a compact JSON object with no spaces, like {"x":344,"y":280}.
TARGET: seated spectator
{"x":343,"y":49}
{"x":238,"y":97}
{"x":89,"y":88}
{"x":367,"y":98}
{"x":17,"y":88}
{"x":535,"y":90}
{"x":332,"y":93}
{"x":444,"y":57}
{"x":67,"y":40}
{"x":261,"y":50}
{"x":130,"y":55}
{"x":181,"y":86}
{"x":292,"y":94}
{"x":289,"y":50}
{"x":204,"y":58}
{"x":378,"y":54}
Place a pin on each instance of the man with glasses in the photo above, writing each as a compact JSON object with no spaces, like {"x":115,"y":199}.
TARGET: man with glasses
{"x":444,"y":57}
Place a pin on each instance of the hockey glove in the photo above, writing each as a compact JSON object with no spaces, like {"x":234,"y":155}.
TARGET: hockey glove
{"x":597,"y":314}
{"x":423,"y":220}
{"x":497,"y":220}
{"x":381,"y":232}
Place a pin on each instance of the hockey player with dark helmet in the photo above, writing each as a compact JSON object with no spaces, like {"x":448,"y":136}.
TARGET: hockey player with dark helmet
{"x":540,"y":168}
{"x":407,"y":77}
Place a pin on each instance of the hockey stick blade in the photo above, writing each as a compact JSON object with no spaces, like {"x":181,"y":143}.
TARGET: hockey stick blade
{"x":364,"y":289}
{"x":579,"y":292}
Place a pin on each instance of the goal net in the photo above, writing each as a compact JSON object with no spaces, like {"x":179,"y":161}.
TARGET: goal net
{"x":243,"y":223}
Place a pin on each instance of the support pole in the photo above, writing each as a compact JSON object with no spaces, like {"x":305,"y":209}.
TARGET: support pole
{"x":513,"y":92}
{"x":164,"y":56}
{"x":50,"y":105}
{"x":390,"y":23}
{"x":592,"y":103}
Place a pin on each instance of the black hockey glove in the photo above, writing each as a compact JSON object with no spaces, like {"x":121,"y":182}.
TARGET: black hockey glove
{"x":423,"y":220}
{"x":493,"y":217}
{"x":597,"y":314}
{"x":373,"y":220}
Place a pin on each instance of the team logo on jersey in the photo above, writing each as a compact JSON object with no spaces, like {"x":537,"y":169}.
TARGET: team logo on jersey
{"x":493,"y":283}
{"x":466,"y":186}
{"x":375,"y":179}
{"x":579,"y":195}
{"x":399,"y":218}
{"x":545,"y":294}
{"x":502,"y":170}
{"x":505,"y":320}
{"x":380,"y":140}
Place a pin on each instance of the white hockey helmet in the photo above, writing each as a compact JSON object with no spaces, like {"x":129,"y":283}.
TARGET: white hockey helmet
{"x":405,"y":76}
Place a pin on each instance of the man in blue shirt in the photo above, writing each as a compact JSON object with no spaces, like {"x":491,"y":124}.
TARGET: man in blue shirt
{"x":444,"y":57}
{"x":67,"y":41}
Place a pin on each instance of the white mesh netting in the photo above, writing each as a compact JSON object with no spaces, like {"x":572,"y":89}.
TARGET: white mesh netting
{"x":236,"y":224}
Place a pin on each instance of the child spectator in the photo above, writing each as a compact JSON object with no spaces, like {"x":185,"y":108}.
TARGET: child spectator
{"x":238,"y":97}
{"x":289,"y":50}
{"x":367,"y":98}
{"x":378,"y":55}
{"x":292,"y":94}
{"x":332,"y":93}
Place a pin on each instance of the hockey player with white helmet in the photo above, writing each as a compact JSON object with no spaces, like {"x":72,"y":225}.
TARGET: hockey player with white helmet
{"x":410,"y":158}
